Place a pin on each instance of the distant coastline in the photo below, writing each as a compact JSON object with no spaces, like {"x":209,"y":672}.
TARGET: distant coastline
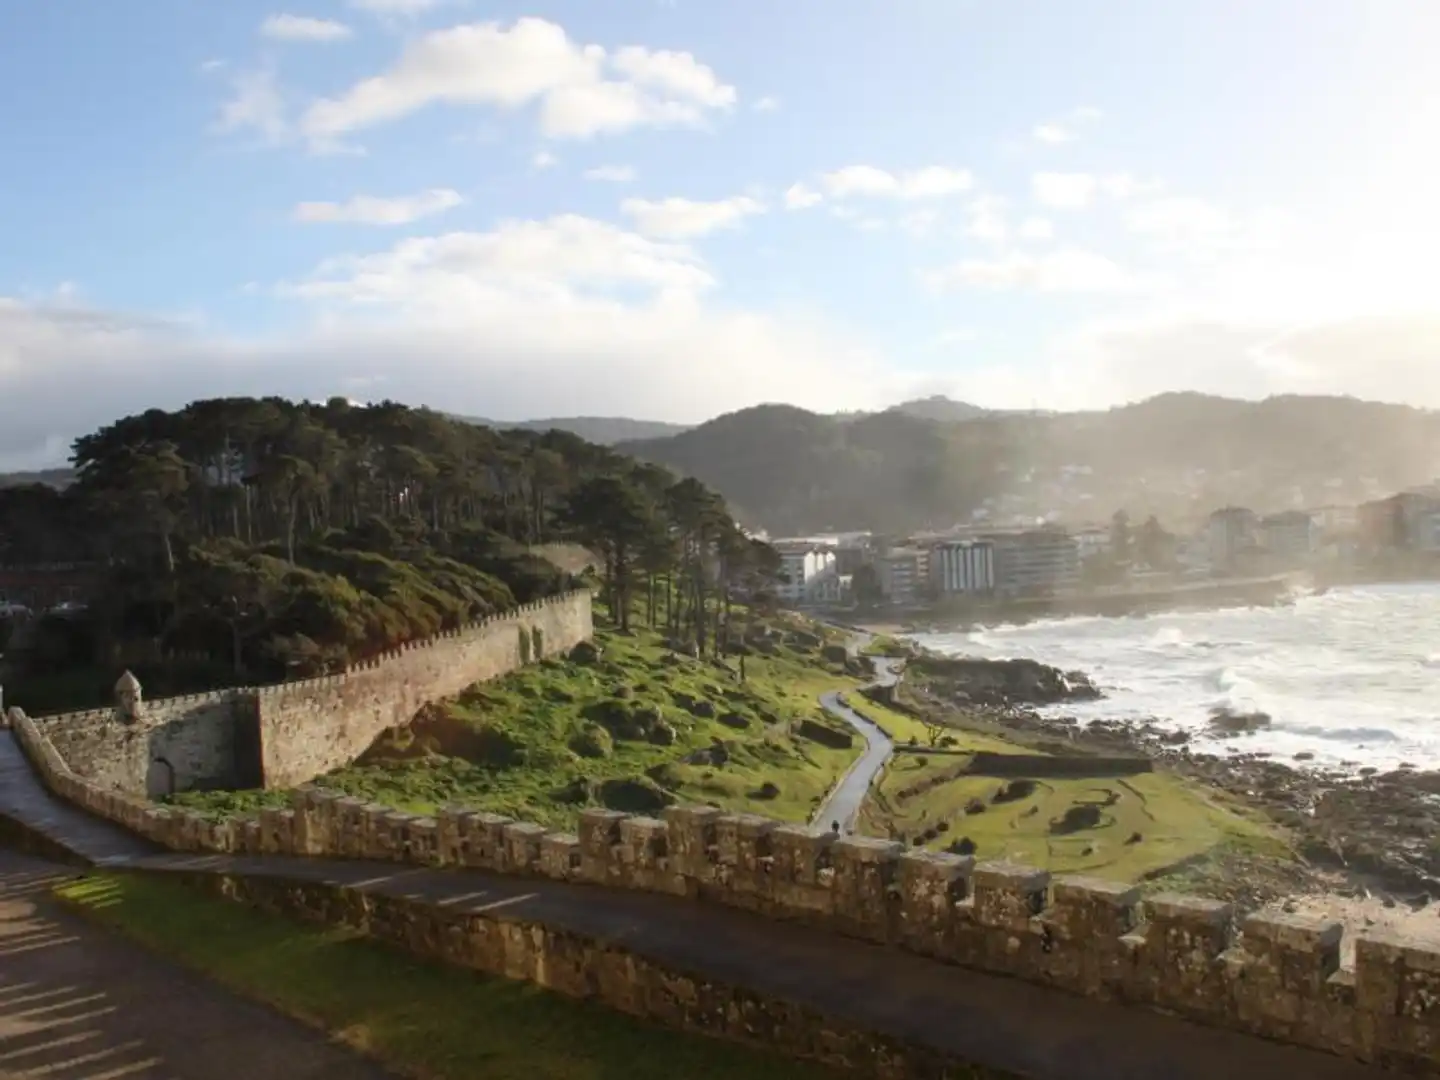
{"x":1231,"y":592}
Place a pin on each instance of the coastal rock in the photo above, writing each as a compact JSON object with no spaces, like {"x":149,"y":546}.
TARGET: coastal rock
{"x":1230,"y":722}
{"x":974,"y":681}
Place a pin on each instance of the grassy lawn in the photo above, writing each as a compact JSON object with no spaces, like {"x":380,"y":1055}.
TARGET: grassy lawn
{"x":1141,"y":824}
{"x":420,"y":1019}
{"x":637,"y":729}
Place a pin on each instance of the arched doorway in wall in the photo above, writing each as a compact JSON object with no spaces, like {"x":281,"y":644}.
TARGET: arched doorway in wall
{"x":159,"y":779}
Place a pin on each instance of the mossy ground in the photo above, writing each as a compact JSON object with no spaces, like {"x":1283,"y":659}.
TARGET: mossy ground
{"x":1174,"y":819}
{"x":520,"y":745}
{"x":418,"y":1018}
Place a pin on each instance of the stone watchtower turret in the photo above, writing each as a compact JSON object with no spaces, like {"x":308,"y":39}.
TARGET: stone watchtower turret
{"x":128,"y":700}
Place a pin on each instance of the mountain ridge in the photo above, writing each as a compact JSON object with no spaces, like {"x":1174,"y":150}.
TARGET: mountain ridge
{"x":1177,"y":455}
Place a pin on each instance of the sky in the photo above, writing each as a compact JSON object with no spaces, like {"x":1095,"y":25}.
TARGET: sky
{"x":670,"y":209}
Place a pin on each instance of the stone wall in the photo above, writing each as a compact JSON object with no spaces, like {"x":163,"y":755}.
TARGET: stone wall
{"x":177,"y":744}
{"x":1278,"y":976}
{"x":308,"y":728}
{"x":284,"y":735}
{"x":582,"y":966}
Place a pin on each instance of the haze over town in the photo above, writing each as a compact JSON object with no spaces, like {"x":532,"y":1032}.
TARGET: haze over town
{"x":668,"y":210}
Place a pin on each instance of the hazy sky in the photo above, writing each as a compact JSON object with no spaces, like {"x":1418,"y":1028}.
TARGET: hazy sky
{"x":672,"y":208}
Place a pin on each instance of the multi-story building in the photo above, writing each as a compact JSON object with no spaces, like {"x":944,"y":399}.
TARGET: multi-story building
{"x":1230,"y":533}
{"x":1402,"y":521}
{"x":805,"y":569}
{"x":1290,"y":534}
{"x":1335,"y":520}
{"x":901,"y":572}
{"x":962,"y":567}
{"x":1035,"y":561}
{"x":1092,"y":540}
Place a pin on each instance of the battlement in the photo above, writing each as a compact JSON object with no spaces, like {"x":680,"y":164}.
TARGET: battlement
{"x":471,"y":631}
{"x":306,"y":726}
{"x":1275,"y":975}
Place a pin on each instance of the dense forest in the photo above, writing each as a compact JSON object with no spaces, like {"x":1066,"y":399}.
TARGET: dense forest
{"x":248,"y":540}
{"x":931,"y":463}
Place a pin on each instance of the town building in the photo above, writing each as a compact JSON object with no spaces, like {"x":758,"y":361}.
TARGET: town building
{"x":1035,"y":561}
{"x":901,"y":572}
{"x":1093,"y":541}
{"x":1231,"y":533}
{"x":1335,"y":520}
{"x":1290,"y":534}
{"x":1404,"y":521}
{"x":807,"y":573}
{"x":962,"y":567}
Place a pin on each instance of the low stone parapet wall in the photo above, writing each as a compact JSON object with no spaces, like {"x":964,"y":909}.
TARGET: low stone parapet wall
{"x":1279,"y":976}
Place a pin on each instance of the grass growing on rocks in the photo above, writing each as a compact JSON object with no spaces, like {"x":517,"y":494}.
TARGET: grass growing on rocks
{"x":418,"y":1018}
{"x":635,"y":729}
{"x":1122,"y":829}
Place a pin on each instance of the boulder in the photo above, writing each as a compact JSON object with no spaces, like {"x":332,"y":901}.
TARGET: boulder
{"x":586,"y":652}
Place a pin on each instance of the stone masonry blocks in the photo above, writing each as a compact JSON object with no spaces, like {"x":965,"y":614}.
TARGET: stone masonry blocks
{"x":1280,"y":977}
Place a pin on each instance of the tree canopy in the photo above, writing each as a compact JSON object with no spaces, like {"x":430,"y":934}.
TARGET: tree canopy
{"x":270,"y":538}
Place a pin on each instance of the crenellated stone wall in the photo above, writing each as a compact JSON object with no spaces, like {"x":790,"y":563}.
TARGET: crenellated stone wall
{"x":1279,"y":977}
{"x":308,"y":728}
{"x":280,"y":736}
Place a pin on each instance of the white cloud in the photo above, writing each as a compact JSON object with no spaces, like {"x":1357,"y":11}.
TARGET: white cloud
{"x":1066,"y":128}
{"x":394,"y":8}
{"x":676,"y":74}
{"x":1053,"y":272}
{"x":1109,"y":361}
{"x":614,"y":174}
{"x":530,"y":62}
{"x":987,"y":220}
{"x":867,"y":180}
{"x":256,"y":106}
{"x":800,"y":197}
{"x":766,"y":104}
{"x":1121,"y":186}
{"x":920,"y":223}
{"x":303,"y":28}
{"x":543,"y":159}
{"x":371,"y":210}
{"x":1053,"y":134}
{"x":566,"y":316}
{"x":1036,"y":228}
{"x":1064,"y":191}
{"x":677,"y":218}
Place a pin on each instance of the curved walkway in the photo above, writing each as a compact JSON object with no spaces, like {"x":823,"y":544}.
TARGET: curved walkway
{"x":844,"y":801}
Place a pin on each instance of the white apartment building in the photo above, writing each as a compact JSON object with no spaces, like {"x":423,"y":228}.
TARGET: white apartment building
{"x":805,"y":571}
{"x":961,"y":567}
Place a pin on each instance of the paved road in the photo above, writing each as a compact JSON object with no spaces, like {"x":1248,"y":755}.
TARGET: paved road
{"x":843,"y":803}
{"x":79,"y":1004}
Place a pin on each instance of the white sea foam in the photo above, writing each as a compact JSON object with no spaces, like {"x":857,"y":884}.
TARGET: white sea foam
{"x":1351,"y":676}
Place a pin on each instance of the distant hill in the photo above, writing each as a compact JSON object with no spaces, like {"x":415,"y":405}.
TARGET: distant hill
{"x":604,"y":430}
{"x":941,"y":408}
{"x":1177,"y":455}
{"x":56,"y":478}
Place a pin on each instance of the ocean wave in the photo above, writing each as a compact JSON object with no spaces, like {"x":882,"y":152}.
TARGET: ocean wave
{"x":1329,"y":670}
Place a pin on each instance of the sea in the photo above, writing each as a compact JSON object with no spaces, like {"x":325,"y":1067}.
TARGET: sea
{"x":1350,"y":678}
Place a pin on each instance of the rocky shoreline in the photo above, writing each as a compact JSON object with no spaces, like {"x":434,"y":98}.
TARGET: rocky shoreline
{"x":1369,"y":834}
